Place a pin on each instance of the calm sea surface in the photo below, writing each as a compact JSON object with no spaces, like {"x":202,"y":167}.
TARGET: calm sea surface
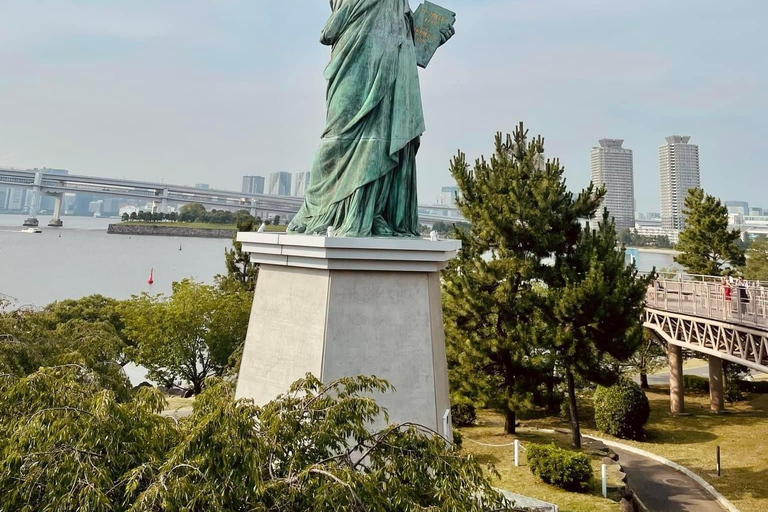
{"x":37,"y":269}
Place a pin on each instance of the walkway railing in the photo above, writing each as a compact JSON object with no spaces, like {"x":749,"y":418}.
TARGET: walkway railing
{"x":708,"y":297}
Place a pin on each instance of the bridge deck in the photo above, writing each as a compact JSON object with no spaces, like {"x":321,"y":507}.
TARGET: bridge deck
{"x":747,"y":306}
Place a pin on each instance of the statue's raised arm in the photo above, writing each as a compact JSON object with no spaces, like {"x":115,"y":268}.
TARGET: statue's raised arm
{"x":363,"y":178}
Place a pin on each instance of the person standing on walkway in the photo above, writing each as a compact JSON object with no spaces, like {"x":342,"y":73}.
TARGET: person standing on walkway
{"x":743,"y":296}
{"x":727,"y":291}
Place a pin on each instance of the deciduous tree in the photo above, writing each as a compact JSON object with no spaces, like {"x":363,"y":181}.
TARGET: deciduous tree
{"x":756,"y":268}
{"x":187,"y":337}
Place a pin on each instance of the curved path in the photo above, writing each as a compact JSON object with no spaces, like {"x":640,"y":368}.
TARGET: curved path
{"x":663,"y":489}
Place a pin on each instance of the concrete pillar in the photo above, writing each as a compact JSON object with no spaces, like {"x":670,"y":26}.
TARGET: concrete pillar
{"x":58,"y":203}
{"x":716,"y":391}
{"x":676,"y":384}
{"x":34,"y":205}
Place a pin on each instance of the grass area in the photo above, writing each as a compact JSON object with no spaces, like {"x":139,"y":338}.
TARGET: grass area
{"x":520,"y":480}
{"x":175,"y":403}
{"x":199,"y":225}
{"x":741,"y":432}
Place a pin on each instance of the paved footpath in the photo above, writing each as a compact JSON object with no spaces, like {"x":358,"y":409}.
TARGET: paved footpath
{"x":664,"y":489}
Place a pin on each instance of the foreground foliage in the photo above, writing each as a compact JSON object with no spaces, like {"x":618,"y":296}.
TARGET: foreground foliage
{"x":564,"y":468}
{"x":622,"y":410}
{"x":66,"y":445}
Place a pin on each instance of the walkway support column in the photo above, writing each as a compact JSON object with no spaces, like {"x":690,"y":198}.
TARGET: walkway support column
{"x":716,"y":393}
{"x":676,"y":384}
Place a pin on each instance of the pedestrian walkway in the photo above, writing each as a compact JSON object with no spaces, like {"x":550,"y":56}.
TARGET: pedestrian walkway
{"x":663,"y":489}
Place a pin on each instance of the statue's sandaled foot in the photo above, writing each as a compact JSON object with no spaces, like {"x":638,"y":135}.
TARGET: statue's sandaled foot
{"x":381,"y":227}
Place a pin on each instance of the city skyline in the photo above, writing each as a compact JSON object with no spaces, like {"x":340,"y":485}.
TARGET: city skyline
{"x":85,"y":86}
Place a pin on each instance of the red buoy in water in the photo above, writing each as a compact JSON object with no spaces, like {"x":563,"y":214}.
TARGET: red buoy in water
{"x":151,"y":276}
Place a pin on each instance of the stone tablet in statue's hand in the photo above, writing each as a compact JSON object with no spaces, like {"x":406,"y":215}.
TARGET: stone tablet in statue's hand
{"x":446,"y":34}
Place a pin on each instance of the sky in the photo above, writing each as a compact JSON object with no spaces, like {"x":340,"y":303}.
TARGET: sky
{"x":192,"y":91}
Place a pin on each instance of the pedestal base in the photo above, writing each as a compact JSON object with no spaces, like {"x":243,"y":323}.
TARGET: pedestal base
{"x":330,"y":307}
{"x":55,"y":223}
{"x":31,"y":222}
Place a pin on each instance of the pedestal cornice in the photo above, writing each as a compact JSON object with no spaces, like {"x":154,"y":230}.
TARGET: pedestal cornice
{"x":389,"y":254}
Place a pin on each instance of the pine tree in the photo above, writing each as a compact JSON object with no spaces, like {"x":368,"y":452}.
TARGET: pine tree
{"x":521,"y":213}
{"x":534,"y":296}
{"x":706,"y":243}
{"x":239,"y":265}
{"x":596,"y":303}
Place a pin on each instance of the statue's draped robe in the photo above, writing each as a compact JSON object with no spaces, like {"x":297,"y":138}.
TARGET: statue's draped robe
{"x":363,"y":178}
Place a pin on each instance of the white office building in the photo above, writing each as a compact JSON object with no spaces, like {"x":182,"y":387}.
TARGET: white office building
{"x":612,"y":167}
{"x":448,"y":196}
{"x":678,"y":173}
{"x":299,"y":184}
{"x":279,"y":184}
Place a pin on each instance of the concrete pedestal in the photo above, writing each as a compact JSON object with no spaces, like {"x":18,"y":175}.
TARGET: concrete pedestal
{"x":31,"y":222}
{"x":716,"y":393}
{"x":55,"y":223}
{"x":342,"y":307}
{"x":676,"y":383}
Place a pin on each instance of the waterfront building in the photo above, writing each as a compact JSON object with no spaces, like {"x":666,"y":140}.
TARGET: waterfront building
{"x":299,"y":184}
{"x":754,"y":211}
{"x":279,"y":184}
{"x":16,"y":199}
{"x":4,"y":192}
{"x":740,"y":207}
{"x":447,"y":196}
{"x":612,"y":167}
{"x":253,"y":185}
{"x":679,"y":172}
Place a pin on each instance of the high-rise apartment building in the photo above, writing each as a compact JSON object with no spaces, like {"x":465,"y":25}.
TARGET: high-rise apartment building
{"x":279,"y":184}
{"x":678,"y":173}
{"x":300,"y":183}
{"x":253,"y":184}
{"x":612,"y":167}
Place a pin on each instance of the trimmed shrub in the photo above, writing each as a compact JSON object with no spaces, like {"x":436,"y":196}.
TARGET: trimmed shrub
{"x":563,"y":468}
{"x":463,"y":414}
{"x":696,"y":383}
{"x":749,"y":386}
{"x":621,"y":410}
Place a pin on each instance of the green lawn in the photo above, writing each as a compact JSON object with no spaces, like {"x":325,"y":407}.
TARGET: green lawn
{"x":199,"y":225}
{"x":742,"y":434}
{"x":520,"y":480}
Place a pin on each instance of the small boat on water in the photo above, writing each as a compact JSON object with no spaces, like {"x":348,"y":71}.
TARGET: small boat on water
{"x":32,"y":230}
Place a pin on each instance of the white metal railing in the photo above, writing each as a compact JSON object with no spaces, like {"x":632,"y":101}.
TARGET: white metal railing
{"x":745,"y":303}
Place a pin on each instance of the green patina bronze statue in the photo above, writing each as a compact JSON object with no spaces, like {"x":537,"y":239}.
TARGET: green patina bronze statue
{"x":363,"y":178}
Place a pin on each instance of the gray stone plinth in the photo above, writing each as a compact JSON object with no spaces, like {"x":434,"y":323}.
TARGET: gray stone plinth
{"x":31,"y":222}
{"x":55,"y":223}
{"x":337,"y":307}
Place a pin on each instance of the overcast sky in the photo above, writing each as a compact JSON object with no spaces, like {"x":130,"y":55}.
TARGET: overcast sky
{"x":209,"y":90}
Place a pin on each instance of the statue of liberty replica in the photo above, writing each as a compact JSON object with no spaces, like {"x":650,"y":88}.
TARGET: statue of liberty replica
{"x":363,"y":178}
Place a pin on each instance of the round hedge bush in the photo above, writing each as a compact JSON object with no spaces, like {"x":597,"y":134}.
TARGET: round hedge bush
{"x":463,"y":414}
{"x":563,"y":468}
{"x":621,"y":410}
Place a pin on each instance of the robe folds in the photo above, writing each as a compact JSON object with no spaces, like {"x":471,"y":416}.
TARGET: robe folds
{"x":363,"y":178}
